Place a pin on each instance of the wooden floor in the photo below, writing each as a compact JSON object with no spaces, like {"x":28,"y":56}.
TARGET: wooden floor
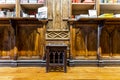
{"x":74,"y":73}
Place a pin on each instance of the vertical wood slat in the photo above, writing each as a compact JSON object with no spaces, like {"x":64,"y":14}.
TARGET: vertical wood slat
{"x":97,"y":5}
{"x":69,"y":8}
{"x":64,"y":13}
{"x":65,"y":9}
{"x":50,"y":8}
{"x":43,"y":41}
{"x":56,"y":14}
{"x":17,"y":8}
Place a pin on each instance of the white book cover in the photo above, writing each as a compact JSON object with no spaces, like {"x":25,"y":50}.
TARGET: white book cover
{"x":32,"y":1}
{"x":42,"y":13}
{"x":92,"y":13}
{"x":2,"y":1}
{"x":10,"y":1}
{"x":40,"y":1}
{"x":2,"y":14}
{"x":23,"y":1}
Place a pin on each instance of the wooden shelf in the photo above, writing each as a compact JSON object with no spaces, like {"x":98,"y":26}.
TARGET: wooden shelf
{"x":31,"y":6}
{"x":82,"y":6}
{"x":110,"y":6}
{"x":9,"y":6}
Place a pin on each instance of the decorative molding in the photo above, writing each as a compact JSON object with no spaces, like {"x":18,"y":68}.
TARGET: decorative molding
{"x":57,"y":35}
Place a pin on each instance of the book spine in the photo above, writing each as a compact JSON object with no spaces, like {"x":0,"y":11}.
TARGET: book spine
{"x":118,"y":1}
{"x":73,"y":1}
{"x":77,"y":1}
{"x":40,"y":1}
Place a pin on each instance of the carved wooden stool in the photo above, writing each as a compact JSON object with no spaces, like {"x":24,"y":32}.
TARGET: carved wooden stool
{"x":56,"y":57}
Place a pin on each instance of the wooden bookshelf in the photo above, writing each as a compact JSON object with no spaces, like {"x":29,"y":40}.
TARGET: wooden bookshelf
{"x":9,"y":6}
{"x":13,"y":27}
{"x":110,"y":6}
{"x":81,"y":8}
{"x":31,"y":6}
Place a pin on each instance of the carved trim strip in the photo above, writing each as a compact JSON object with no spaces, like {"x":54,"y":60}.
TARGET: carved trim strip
{"x":54,"y":35}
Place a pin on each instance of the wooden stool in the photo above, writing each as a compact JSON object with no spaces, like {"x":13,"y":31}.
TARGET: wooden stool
{"x":56,"y":56}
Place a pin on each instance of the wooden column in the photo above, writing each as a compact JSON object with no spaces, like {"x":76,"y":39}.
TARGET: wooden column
{"x":17,"y":8}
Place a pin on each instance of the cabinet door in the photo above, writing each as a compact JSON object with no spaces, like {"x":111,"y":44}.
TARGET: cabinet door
{"x":84,"y":42}
{"x":30,"y":42}
{"x":110,"y":38}
{"x":6,"y":42}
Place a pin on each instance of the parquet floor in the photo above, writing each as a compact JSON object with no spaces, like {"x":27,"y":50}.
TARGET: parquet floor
{"x":74,"y":73}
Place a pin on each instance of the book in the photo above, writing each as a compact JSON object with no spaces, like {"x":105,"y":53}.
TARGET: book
{"x":11,"y":1}
{"x":40,"y":1}
{"x":23,"y":1}
{"x":2,"y":14}
{"x":106,"y":15}
{"x":117,"y":15}
{"x":77,"y":17}
{"x":33,"y":16}
{"x":2,"y":1}
{"x":42,"y":13}
{"x":88,"y":1}
{"x":118,"y":1}
{"x":32,"y":1}
{"x":92,"y":13}
{"x":73,"y":1}
{"x":77,"y":1}
{"x":101,"y":1}
{"x":110,"y":1}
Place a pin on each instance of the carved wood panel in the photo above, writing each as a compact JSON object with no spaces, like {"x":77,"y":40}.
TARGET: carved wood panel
{"x":57,"y":11}
{"x":57,"y":35}
{"x":110,"y":40}
{"x":84,"y":42}
{"x":6,"y":42}
{"x":29,"y":42}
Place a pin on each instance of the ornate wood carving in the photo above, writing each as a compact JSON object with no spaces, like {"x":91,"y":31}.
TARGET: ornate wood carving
{"x":99,"y":35}
{"x":22,"y":38}
{"x":110,"y":38}
{"x":57,"y":35}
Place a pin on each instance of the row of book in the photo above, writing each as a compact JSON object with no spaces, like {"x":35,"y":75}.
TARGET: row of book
{"x":32,"y":1}
{"x":7,"y":13}
{"x":7,"y":1}
{"x":82,"y":1}
{"x":41,"y":13}
{"x":105,"y":15}
{"x":109,"y":1}
{"x":109,"y":15}
{"x":22,"y":1}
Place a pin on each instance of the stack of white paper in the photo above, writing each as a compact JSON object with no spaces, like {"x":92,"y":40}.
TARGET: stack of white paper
{"x":42,"y":13}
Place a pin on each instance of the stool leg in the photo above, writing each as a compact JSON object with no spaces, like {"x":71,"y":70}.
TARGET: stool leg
{"x":47,"y":70}
{"x":65,"y":69}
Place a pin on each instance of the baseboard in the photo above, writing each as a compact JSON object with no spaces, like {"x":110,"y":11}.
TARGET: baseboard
{"x":15,"y":63}
{"x":42,"y":63}
{"x":99,"y":63}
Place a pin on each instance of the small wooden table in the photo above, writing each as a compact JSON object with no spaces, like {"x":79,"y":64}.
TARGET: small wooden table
{"x":56,"y":56}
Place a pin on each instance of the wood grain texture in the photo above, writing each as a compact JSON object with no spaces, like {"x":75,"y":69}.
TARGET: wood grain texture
{"x":73,"y":73}
{"x":58,"y":10}
{"x":65,"y":8}
{"x":29,"y":42}
{"x":50,"y":8}
{"x":84,"y":41}
{"x":23,"y":40}
{"x":6,"y":41}
{"x":110,"y":38}
{"x":57,"y":14}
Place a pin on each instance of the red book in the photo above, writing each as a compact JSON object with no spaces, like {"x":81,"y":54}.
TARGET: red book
{"x":77,"y":1}
{"x":73,"y":1}
{"x":40,"y":1}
